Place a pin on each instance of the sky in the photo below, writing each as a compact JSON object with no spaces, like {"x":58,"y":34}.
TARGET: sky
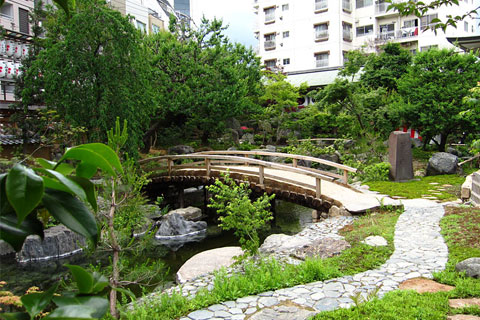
{"x":238,"y":14}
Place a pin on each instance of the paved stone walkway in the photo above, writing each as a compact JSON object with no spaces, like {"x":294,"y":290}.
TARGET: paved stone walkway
{"x":419,"y":251}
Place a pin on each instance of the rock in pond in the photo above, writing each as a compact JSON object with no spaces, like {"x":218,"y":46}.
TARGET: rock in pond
{"x":189,"y":213}
{"x":58,"y":242}
{"x":175,"y":231}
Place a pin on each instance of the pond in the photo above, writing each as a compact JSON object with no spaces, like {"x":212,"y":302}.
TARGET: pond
{"x":290,"y":219}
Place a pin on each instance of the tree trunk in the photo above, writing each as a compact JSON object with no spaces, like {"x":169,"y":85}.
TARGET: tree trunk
{"x":443,"y":142}
{"x":205,"y":137}
{"x":146,"y":137}
{"x":116,"y":250}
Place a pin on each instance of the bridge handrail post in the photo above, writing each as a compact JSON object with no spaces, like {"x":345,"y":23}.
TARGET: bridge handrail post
{"x":207,"y":165}
{"x":295,"y":162}
{"x":169,"y":164}
{"x":246,"y":156}
{"x":261,"y":175}
{"x":345,"y":176}
{"x":318,"y":187}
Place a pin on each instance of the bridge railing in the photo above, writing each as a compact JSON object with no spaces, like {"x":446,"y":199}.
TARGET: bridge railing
{"x":295,"y":158}
{"x":218,"y":162}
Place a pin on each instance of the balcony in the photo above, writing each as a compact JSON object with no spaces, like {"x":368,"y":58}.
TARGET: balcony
{"x":407,"y":32}
{"x":270,"y":18}
{"x":381,"y":9}
{"x":269,"y":45}
{"x":385,"y":36}
{"x":347,"y":35}
{"x":347,"y":5}
{"x":321,"y":35}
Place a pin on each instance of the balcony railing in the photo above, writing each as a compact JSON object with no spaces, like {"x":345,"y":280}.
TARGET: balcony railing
{"x":381,"y":8}
{"x":269,"y":44}
{"x":269,"y":17}
{"x":320,"y":5}
{"x":347,"y":5}
{"x":389,"y":35}
{"x":321,"y":35}
{"x":407,"y":32}
{"x":322,"y":63}
{"x":347,"y":35}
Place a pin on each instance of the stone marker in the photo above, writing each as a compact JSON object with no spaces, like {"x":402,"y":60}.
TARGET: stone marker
{"x":400,"y":156}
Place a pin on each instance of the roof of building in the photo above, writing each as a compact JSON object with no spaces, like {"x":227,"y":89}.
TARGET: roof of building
{"x":466,"y":43}
{"x":10,"y":140}
{"x":314,"y":77}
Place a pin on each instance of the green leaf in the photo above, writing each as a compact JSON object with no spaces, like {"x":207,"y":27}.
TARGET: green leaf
{"x":89,"y":157}
{"x":126,"y":292}
{"x":71,"y":212}
{"x":63,"y":168}
{"x":36,"y":302}
{"x":86,"y":170}
{"x":15,"y":316}
{"x":5,"y":206}
{"x":99,"y":282}
{"x":54,"y":184}
{"x":89,"y":189}
{"x":83,"y":278}
{"x":77,"y":312}
{"x":106,"y":152}
{"x":74,"y":187}
{"x":99,"y":304}
{"x":24,"y":190}
{"x":63,"y":4}
{"x":15,"y":234}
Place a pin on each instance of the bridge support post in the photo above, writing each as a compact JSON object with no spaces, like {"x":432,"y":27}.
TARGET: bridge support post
{"x":181,"y":197}
{"x":207,"y":164}
{"x":294,"y":163}
{"x":345,"y":176}
{"x":169,"y":164}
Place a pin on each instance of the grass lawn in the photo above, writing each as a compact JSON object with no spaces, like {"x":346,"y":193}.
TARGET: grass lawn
{"x":461,"y":230}
{"x":444,"y":187}
{"x":269,"y":274}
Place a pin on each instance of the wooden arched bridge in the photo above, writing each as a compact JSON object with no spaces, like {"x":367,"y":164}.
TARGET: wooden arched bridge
{"x":293,"y":182}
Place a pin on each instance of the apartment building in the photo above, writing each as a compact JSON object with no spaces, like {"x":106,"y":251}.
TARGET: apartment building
{"x":308,"y":39}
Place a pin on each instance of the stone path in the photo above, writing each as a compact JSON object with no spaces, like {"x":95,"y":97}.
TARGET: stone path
{"x":419,"y":251}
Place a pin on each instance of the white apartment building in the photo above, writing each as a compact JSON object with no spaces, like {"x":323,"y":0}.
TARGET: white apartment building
{"x":308,"y":39}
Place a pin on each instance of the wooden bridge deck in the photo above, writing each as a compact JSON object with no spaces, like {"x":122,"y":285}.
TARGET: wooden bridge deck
{"x":313,"y":188}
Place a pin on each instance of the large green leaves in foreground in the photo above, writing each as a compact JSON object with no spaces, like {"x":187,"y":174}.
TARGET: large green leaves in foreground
{"x":63,"y":189}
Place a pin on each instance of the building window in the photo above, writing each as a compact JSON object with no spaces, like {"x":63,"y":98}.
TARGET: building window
{"x":363,"y":3}
{"x":141,"y":26}
{"x":413,"y":51}
{"x":465,"y":26}
{"x":426,"y":48}
{"x":271,"y":64}
{"x":7,"y":11}
{"x":387,"y":31}
{"x":321,"y":5}
{"x":286,"y":61}
{"x":23,"y":21}
{"x":345,"y":57}
{"x":321,"y":59}
{"x":347,"y":31}
{"x":269,"y":14}
{"x":286,"y":34}
{"x":347,"y":5}
{"x":409,"y":29}
{"x":285,"y":7}
{"x":270,"y":41}
{"x":321,"y":32}
{"x":364,"y":30}
{"x":426,"y":21}
{"x":155,"y":29}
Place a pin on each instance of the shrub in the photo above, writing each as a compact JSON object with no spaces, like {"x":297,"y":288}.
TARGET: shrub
{"x":376,"y":172}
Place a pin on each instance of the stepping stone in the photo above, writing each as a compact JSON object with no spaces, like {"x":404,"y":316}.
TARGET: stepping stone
{"x":447,"y":185}
{"x":398,"y":197}
{"x":433,"y":183}
{"x":463,"y":317}
{"x":283,"y":312}
{"x":422,"y":285}
{"x":462,"y":303}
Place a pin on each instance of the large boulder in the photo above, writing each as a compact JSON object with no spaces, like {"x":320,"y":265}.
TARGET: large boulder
{"x":322,"y":248}
{"x":180,"y":149}
{"x":5,"y":248}
{"x":442,"y":163}
{"x":471,"y":267}
{"x":188,"y":213}
{"x":58,"y":242}
{"x":283,"y":244}
{"x":175,"y":225}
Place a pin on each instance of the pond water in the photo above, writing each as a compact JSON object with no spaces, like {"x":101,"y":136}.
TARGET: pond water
{"x":290,"y":219}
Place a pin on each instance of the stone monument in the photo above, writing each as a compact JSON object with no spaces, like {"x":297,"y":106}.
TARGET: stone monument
{"x":400,"y":156}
